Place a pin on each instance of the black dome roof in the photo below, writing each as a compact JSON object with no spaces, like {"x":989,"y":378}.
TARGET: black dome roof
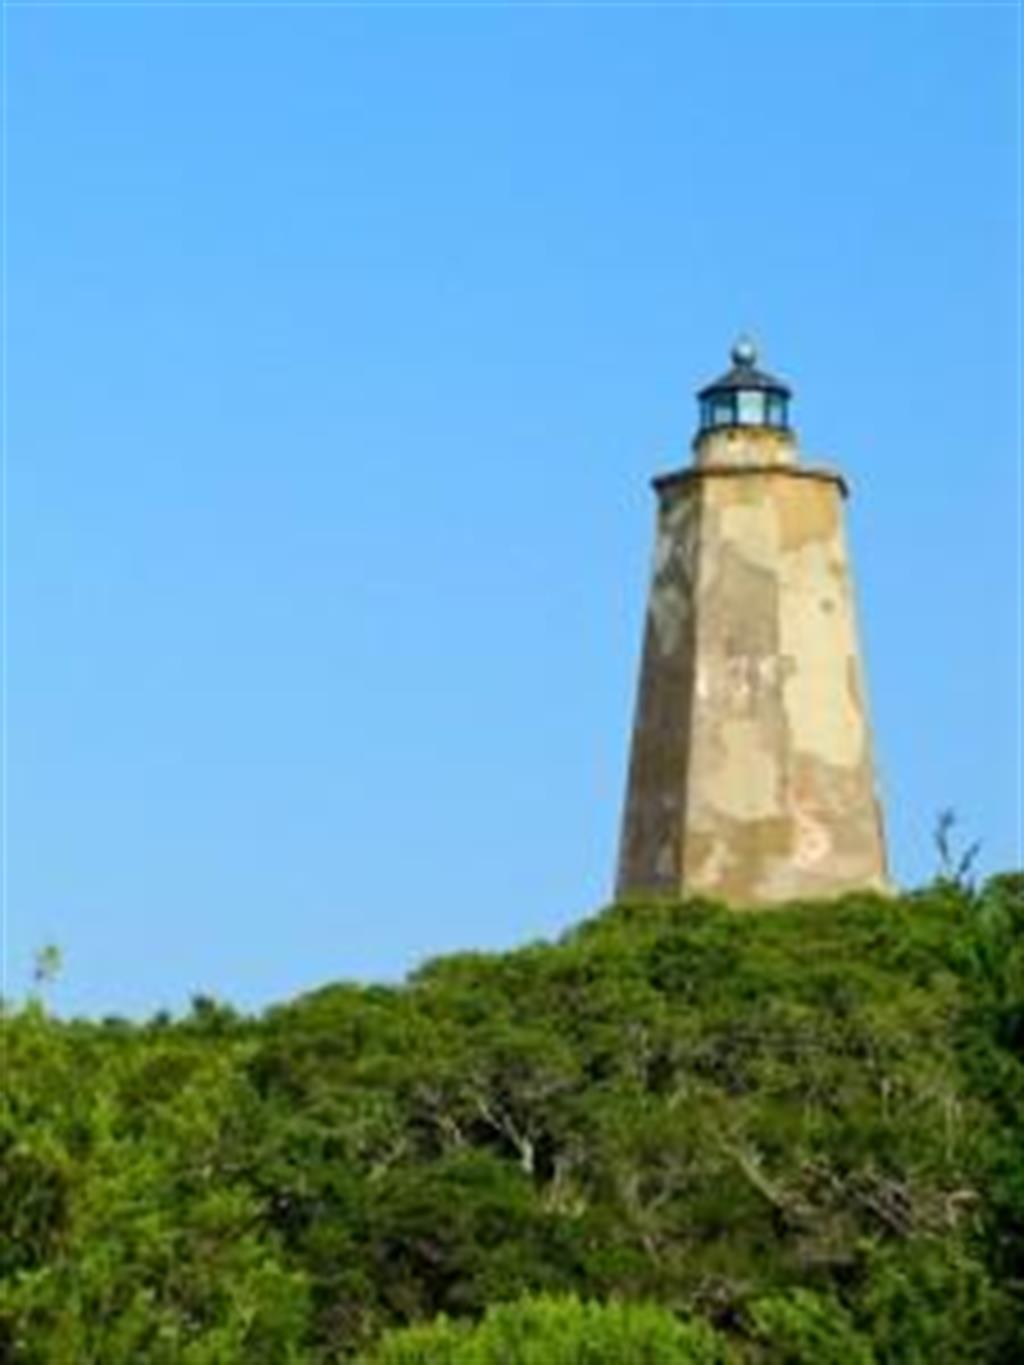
{"x":745,"y":374}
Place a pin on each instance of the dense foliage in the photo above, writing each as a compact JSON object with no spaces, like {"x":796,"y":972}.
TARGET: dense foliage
{"x":556,"y":1332}
{"x":793,"y":1136}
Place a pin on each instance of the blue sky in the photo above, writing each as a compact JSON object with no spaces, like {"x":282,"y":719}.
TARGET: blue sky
{"x":342,"y":343}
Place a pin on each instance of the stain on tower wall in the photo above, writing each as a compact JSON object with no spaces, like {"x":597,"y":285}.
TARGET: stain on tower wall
{"x":751,"y":775}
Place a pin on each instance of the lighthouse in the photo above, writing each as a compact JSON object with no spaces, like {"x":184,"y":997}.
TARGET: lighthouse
{"x":751,"y":775}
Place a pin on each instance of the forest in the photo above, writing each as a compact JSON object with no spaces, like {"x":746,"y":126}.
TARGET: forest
{"x":679,"y":1135}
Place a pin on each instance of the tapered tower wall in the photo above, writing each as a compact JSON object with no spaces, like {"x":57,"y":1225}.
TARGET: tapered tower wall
{"x":751,"y":774}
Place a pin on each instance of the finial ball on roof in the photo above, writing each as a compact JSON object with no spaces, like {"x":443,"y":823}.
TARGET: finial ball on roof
{"x":744,"y":352}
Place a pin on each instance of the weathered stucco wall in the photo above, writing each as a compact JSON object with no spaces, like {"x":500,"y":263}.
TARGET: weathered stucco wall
{"x":751,"y":775}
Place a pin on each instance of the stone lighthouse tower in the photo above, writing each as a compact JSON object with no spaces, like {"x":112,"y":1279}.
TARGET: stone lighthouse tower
{"x":751,"y":776}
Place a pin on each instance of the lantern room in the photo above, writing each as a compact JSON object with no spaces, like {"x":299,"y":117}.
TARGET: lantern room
{"x":745,"y":396}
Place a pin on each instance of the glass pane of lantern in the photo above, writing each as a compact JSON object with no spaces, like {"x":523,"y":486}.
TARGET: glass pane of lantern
{"x":776,"y":410}
{"x":722,"y":411}
{"x":751,"y":408}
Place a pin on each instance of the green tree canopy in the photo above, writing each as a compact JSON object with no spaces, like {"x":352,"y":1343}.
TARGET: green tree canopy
{"x":800,"y":1131}
{"x":553,"y":1331}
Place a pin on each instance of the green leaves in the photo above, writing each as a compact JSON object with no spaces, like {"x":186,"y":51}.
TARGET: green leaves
{"x":803,"y":1328}
{"x":135,"y":1236}
{"x":551,"y":1331}
{"x":800,"y":1132}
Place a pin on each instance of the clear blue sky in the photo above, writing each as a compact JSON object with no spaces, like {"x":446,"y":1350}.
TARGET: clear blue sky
{"x":342,"y":343}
